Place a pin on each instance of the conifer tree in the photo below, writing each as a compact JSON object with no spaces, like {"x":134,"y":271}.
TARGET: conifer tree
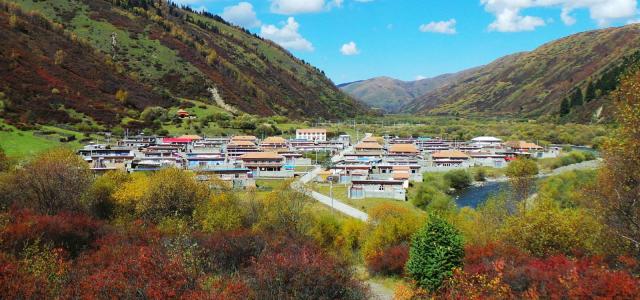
{"x":436,"y":250}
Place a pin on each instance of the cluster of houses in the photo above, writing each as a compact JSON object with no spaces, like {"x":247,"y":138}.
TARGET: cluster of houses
{"x":382,"y":167}
{"x":374,"y":167}
{"x":238,"y":159}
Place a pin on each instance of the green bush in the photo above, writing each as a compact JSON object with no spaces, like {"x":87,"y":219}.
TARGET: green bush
{"x":458,"y":179}
{"x":436,"y":250}
{"x":427,"y":194}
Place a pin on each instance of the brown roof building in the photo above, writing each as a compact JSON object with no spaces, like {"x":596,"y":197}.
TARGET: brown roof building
{"x":523,"y":146}
{"x":275,"y":143}
{"x":263,"y":161}
{"x":403,"y":149}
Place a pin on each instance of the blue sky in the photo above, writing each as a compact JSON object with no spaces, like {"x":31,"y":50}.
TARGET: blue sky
{"x":408,"y":39}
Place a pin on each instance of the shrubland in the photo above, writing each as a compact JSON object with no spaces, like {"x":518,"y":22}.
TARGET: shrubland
{"x":165,"y":235}
{"x":577,"y":237}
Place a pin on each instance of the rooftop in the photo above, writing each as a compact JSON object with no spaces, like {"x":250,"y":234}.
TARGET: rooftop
{"x":403,"y":148}
{"x":274,"y":140}
{"x":261,"y":155}
{"x":368,"y":146}
{"x":449,"y":154}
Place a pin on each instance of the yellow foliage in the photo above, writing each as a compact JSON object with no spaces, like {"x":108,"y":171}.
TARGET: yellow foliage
{"x":13,"y":21}
{"x":283,"y":210}
{"x":405,"y":291}
{"x":59,"y":57}
{"x":122,"y":95}
{"x":211,"y":57}
{"x":221,"y":212}
{"x":547,"y":229}
{"x":352,"y":233}
{"x":131,"y":194}
{"x":389,"y":225}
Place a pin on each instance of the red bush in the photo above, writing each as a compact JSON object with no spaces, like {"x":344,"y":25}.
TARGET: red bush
{"x":231,"y":251}
{"x":224,"y":289}
{"x":16,"y":284}
{"x":299,"y":271}
{"x":72,"y":232}
{"x":500,"y":268}
{"x":390,"y":261}
{"x":122,"y":269}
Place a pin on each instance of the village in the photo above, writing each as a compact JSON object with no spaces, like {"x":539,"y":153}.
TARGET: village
{"x":372,"y":167}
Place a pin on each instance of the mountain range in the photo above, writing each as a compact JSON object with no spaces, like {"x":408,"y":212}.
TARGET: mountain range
{"x":390,"y":94}
{"x":580,"y":69}
{"x":108,"y":60}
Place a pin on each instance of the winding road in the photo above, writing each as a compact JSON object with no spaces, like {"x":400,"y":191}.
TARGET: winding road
{"x":333,"y":203}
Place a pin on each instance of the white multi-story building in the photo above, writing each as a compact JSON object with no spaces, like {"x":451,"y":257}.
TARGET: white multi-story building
{"x":312,"y":134}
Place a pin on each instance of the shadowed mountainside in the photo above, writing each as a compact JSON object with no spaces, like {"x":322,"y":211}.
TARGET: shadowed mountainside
{"x":108,"y":60}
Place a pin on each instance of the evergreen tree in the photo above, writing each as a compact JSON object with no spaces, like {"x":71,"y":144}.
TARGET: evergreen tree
{"x":577,"y":99}
{"x":591,"y":92}
{"x":565,"y":107}
{"x":435,"y":251}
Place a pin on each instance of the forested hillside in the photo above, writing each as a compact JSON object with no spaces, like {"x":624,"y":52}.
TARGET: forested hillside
{"x":581,"y":68}
{"x":62,"y":61}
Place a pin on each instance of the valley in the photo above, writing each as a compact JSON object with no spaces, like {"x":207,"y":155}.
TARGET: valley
{"x":154,"y":149}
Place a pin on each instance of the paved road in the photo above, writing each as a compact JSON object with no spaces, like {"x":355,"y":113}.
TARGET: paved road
{"x":336,"y":204}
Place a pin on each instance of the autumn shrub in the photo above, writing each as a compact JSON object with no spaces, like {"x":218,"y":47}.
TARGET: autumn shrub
{"x":53,"y":181}
{"x":127,"y":268}
{"x":99,"y":197}
{"x":230,"y":251}
{"x":501,"y":271}
{"x":72,"y":232}
{"x":40,"y":272}
{"x":548,"y":229}
{"x":390,"y":261}
{"x":568,"y":188}
{"x":222,"y":288}
{"x":222,"y":211}
{"x":389,"y":225}
{"x":302,"y":271}
{"x":283,"y":210}
{"x":168,"y":192}
{"x":325,"y":230}
{"x":352,"y":234}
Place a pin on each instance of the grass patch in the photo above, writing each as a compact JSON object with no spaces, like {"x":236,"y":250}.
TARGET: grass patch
{"x":340,"y":194}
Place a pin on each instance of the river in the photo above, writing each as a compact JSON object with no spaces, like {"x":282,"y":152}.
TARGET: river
{"x":477,"y":194}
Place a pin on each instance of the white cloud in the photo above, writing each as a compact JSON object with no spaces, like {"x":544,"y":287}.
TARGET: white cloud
{"x":420,"y":77}
{"x":634,"y":21}
{"x":241,"y":14}
{"x":509,"y":18}
{"x":446,"y":27}
{"x":292,"y":7}
{"x":566,"y":17}
{"x":287,"y":36}
{"x":349,"y":48}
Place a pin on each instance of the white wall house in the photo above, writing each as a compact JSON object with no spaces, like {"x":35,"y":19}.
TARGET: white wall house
{"x":312,"y":134}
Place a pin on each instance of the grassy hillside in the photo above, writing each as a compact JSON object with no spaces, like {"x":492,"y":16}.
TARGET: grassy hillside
{"x":391,"y":95}
{"x":101,"y":61}
{"x":535,"y":83}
